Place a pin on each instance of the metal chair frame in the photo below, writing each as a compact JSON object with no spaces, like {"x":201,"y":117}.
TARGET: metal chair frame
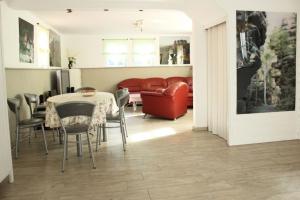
{"x":122,"y":98}
{"x":73,"y":109}
{"x":35,"y":113}
{"x":14,"y":105}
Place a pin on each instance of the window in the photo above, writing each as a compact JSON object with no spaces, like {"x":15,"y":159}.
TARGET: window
{"x":143,"y":52}
{"x":43,"y":46}
{"x":129,"y":52}
{"x":115,"y":52}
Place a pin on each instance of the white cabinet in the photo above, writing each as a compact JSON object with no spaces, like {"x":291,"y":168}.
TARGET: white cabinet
{"x":5,"y":146}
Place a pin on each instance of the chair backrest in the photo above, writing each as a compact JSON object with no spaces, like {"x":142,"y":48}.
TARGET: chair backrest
{"x":121,"y":92}
{"x":84,"y":88}
{"x":75,"y":108}
{"x":31,"y":99}
{"x":14,"y":106}
{"x":121,"y":102}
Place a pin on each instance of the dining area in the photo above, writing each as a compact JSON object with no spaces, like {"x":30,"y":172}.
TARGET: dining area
{"x":82,"y":117}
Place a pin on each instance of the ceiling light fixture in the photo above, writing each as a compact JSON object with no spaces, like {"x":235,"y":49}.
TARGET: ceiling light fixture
{"x":69,"y":10}
{"x":138,"y":24}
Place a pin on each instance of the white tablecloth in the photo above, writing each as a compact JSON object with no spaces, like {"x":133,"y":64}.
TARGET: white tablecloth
{"x":104,"y":101}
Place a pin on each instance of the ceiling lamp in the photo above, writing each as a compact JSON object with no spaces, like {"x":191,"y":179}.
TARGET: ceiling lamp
{"x":138,"y":24}
{"x":69,"y":10}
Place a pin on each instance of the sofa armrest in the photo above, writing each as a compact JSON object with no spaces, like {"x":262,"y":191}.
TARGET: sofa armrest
{"x":148,"y":93}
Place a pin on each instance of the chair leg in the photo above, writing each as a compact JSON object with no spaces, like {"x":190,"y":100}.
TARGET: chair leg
{"x":17,"y":141}
{"x":45,"y":141}
{"x":67,"y":146}
{"x":100,"y":134}
{"x":124,"y":131}
{"x":53,"y":133}
{"x":29,"y":135}
{"x":125,"y":125}
{"x":90,"y":150}
{"x":59,"y":136}
{"x":123,"y":135}
{"x":65,"y":151}
{"x":98,"y":138}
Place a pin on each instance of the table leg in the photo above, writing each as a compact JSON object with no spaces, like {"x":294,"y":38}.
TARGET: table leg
{"x":79,"y":147}
{"x":134,"y":105}
{"x":104,"y":133}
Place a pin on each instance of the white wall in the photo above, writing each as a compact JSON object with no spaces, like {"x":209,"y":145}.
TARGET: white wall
{"x":10,"y":32}
{"x":199,"y":60}
{"x":5,"y":148}
{"x":261,"y":127}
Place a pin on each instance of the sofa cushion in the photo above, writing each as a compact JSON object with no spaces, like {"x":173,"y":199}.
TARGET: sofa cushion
{"x":160,"y":90}
{"x":151,"y":84}
{"x":133,"y":84}
{"x":175,"y":79}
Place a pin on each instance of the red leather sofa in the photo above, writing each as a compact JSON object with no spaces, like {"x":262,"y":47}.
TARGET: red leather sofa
{"x":136,"y":85}
{"x":169,"y":103}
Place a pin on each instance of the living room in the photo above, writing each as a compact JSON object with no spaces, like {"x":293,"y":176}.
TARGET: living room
{"x":218,"y":146}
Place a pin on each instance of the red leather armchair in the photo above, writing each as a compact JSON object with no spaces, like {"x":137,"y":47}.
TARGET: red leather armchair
{"x":169,"y":103}
{"x":136,"y":85}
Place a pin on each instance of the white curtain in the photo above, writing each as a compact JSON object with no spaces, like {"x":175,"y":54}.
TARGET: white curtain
{"x":217,"y":80}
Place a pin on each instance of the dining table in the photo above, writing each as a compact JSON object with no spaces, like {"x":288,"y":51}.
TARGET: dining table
{"x":105,"y":103}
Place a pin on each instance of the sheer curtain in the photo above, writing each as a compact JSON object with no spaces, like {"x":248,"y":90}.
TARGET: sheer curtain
{"x":217,"y":80}
{"x":144,"y":52}
{"x":115,"y":52}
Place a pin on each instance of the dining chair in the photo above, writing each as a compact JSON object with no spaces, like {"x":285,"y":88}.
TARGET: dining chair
{"x":31,"y":123}
{"x":84,"y":88}
{"x":122,"y":98}
{"x":38,"y":110}
{"x":119,"y":93}
{"x":73,"y":109}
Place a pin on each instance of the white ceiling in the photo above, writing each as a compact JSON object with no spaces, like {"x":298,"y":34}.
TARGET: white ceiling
{"x":117,"y":21}
{"x":160,"y":16}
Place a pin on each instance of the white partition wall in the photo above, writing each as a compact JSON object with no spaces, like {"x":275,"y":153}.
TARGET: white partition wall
{"x":217,"y":80}
{"x":5,"y":148}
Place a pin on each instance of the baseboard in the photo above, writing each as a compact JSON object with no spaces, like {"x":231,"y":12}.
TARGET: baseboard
{"x":197,"y":129}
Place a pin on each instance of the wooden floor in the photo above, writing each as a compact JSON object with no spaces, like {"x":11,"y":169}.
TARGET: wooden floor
{"x":164,"y":160}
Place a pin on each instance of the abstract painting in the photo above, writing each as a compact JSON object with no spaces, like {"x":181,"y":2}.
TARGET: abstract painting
{"x":266,"y":61}
{"x":26,"y":41}
{"x":174,"y":50}
{"x":55,"y":49}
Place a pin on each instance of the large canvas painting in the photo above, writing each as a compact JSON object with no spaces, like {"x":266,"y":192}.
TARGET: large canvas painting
{"x":174,"y":50}
{"x":55,"y":49}
{"x":266,"y":61}
{"x":26,"y":41}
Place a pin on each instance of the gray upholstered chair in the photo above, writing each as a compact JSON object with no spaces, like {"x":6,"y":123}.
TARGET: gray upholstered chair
{"x":31,"y":123}
{"x":73,"y":109}
{"x":38,"y":110}
{"x":122,"y":98}
{"x":119,"y":93}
